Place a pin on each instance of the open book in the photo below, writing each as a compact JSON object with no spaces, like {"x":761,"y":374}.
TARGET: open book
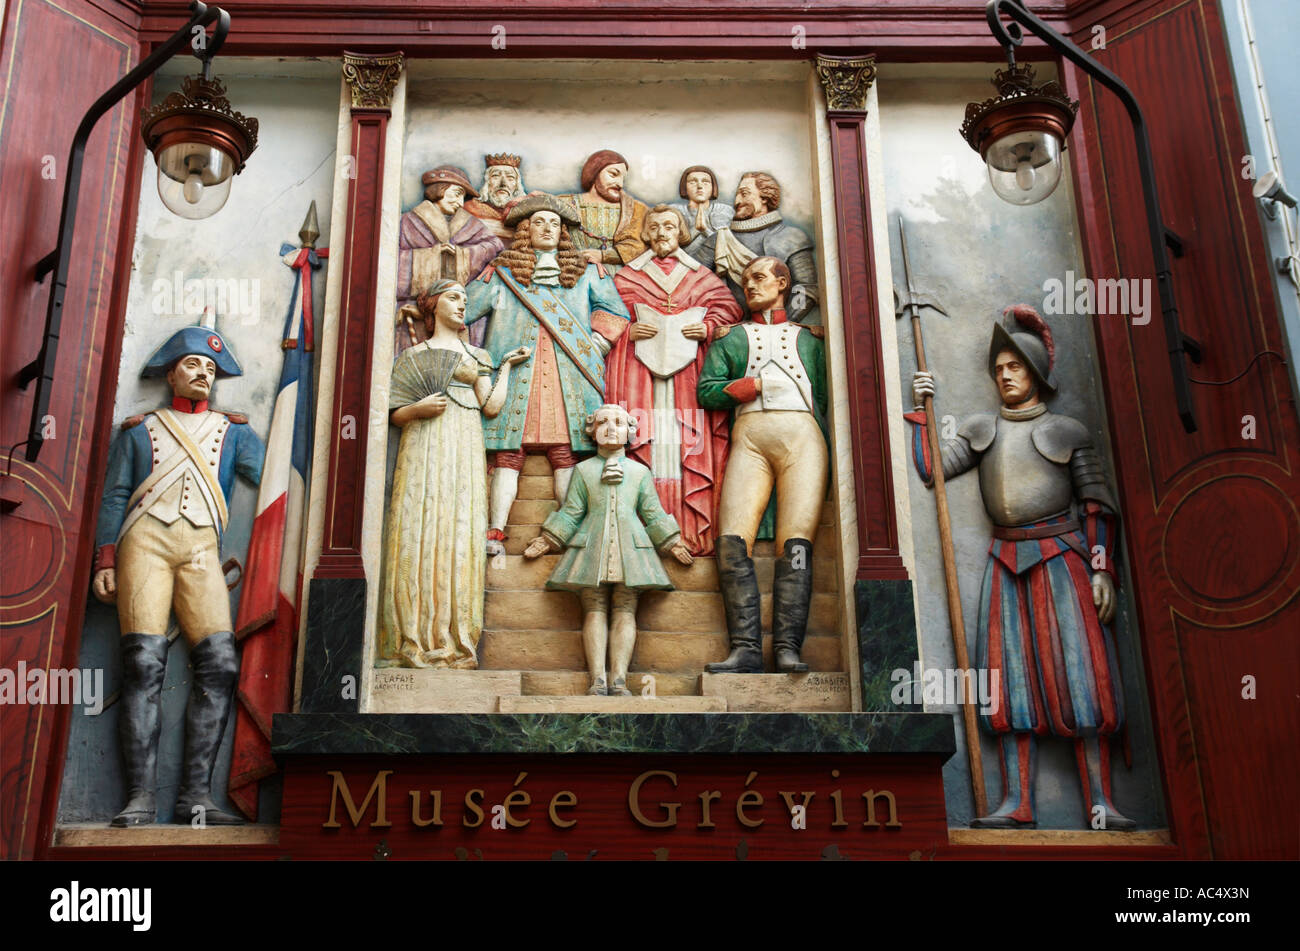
{"x":668,"y":351}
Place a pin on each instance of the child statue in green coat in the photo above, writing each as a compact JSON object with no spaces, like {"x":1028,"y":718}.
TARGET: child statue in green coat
{"x":612,"y":524}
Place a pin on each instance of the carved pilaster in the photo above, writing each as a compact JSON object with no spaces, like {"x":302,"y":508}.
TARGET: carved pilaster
{"x":372,"y":78}
{"x":846,"y":80}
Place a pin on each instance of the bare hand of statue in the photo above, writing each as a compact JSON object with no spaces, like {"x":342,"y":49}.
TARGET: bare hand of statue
{"x":516,"y":356}
{"x":592,"y":255}
{"x":681,"y":554}
{"x":642,"y":331}
{"x":922,"y":386}
{"x":539,"y":546}
{"x":695,"y":331}
{"x":758,"y":384}
{"x":1103,"y":596}
{"x":432,"y":405}
{"x":105,"y":585}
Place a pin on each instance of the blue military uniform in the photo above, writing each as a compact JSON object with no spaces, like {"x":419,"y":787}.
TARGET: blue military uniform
{"x":164,"y":509}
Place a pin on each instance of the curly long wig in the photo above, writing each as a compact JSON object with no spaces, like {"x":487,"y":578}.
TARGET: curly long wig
{"x":519,"y":257}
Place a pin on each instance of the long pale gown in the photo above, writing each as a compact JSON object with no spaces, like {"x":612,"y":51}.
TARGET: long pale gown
{"x":431,"y":602}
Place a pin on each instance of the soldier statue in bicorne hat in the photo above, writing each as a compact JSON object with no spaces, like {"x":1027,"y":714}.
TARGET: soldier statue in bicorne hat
{"x":170,"y":475}
{"x":1048,"y":594}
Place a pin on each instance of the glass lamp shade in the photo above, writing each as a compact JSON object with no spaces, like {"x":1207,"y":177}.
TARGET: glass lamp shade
{"x":1024,"y":166}
{"x":194,"y":178}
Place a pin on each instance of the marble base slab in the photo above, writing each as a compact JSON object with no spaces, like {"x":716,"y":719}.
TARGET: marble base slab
{"x":328,"y":734}
{"x":633,"y":704}
{"x":407,"y":690}
{"x":815,"y":692}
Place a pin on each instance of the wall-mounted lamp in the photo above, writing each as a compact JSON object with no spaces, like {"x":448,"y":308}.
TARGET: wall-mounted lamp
{"x":203,"y":137}
{"x":1270,"y":191}
{"x":200,"y":143}
{"x":1020,"y":134}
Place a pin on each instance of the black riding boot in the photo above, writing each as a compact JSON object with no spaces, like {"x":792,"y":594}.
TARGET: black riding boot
{"x":144,"y":664}
{"x":739,"y":587}
{"x":791,"y":597}
{"x":216,"y":667}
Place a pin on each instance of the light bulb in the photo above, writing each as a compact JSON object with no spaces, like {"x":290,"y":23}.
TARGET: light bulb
{"x":1025,"y":176}
{"x":193,"y":189}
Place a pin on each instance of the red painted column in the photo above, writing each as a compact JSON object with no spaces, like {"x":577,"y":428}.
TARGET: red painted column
{"x":336,"y":603}
{"x":371,"y":79}
{"x":846,"y":80}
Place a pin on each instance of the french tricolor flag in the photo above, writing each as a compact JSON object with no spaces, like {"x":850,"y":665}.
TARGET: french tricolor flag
{"x":267,"y":623}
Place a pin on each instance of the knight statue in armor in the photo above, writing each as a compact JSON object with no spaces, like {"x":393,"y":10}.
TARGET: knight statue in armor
{"x":1048,"y":595}
{"x":170,"y":476}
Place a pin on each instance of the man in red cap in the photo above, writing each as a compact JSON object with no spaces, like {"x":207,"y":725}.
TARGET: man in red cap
{"x":438,"y":239}
{"x":610,"y":220}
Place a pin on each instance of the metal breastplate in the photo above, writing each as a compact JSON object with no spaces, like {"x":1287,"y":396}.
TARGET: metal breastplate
{"x":1018,"y":484}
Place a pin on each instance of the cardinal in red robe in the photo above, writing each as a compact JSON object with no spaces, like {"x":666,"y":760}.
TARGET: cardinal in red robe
{"x":677,"y":307}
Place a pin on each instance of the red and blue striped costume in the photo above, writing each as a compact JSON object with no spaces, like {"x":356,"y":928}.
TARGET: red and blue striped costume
{"x":1038,"y":627}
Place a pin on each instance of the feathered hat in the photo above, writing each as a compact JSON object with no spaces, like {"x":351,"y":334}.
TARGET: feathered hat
{"x":1033,"y":343}
{"x":540,"y":201}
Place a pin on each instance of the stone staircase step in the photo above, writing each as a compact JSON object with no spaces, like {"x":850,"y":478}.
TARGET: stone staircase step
{"x":814,"y":692}
{"x":585,"y":704}
{"x":575,"y":682}
{"x":530,"y":512}
{"x":519,"y":534}
{"x":536,"y":464}
{"x":656,"y":652}
{"x":536,"y":487}
{"x":422,"y":690}
{"x":700,"y":611}
{"x":520,"y":573}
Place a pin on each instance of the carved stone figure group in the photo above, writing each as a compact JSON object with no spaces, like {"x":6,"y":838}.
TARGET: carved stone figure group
{"x":594,"y":321}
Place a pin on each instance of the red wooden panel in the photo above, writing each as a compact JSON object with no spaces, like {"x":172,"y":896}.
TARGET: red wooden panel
{"x":1212,"y":530}
{"x":604,"y":820}
{"x":67,"y":54}
{"x":924,"y":30}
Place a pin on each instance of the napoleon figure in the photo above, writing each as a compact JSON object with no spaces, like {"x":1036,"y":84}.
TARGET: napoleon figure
{"x":771,"y":373}
{"x":170,"y":475}
{"x":1044,"y":615}
{"x":538,"y":294}
{"x":758,"y":230}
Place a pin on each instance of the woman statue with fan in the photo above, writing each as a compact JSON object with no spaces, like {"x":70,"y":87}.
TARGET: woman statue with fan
{"x":431,"y":603}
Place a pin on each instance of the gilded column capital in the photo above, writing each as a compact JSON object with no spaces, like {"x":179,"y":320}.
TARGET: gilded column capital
{"x":846,"y":80}
{"x":372,"y":78}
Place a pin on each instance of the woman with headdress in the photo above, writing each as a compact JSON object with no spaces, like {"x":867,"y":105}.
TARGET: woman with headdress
{"x":431,"y":602}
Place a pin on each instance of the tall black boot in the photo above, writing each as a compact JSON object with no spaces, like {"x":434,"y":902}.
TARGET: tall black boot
{"x":740,"y":599}
{"x":216,"y":667}
{"x":791,"y":597}
{"x":144,"y":665}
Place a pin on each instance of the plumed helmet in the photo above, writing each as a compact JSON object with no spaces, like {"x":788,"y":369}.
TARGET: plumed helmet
{"x":1026,"y":333}
{"x":205,"y":341}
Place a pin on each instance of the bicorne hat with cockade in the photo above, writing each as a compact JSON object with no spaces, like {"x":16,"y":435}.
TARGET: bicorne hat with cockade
{"x":1026,"y":333}
{"x":204,"y":341}
{"x":540,"y":201}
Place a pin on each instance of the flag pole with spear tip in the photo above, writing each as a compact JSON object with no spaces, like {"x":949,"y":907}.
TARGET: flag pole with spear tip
{"x":911,"y":304}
